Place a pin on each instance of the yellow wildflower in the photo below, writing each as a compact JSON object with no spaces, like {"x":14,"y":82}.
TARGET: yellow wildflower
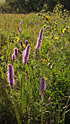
{"x":48,"y":59}
{"x":24,"y":45}
{"x":54,"y":29}
{"x":63,"y":31}
{"x":46,"y":78}
{"x":56,"y":38}
{"x":44,"y":60}
{"x":17,"y":39}
{"x":47,"y":18}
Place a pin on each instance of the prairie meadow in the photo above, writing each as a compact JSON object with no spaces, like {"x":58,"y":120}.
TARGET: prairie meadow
{"x":35,"y":68}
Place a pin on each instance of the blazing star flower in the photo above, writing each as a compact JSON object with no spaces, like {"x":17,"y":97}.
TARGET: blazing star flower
{"x":41,"y":34}
{"x":13,"y":58}
{"x":26,"y":53}
{"x":42,"y":84}
{"x":21,"y":44}
{"x":10,"y":75}
{"x":16,"y":52}
{"x":39,"y":40}
{"x":26,"y":42}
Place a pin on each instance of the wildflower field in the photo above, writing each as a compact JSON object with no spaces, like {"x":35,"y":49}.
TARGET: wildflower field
{"x":35,"y":68}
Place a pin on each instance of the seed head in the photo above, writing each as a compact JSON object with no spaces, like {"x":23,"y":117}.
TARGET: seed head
{"x":42,"y":84}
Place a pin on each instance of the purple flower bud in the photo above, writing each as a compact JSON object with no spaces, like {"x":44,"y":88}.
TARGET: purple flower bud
{"x":19,"y":31}
{"x":44,"y":29}
{"x":53,"y":47}
{"x":66,"y":45}
{"x":10,"y":75}
{"x":42,"y":84}
{"x":26,"y":53}
{"x":35,"y":28}
{"x":21,"y":43}
{"x":16,"y":52}
{"x":62,"y":35}
{"x":13,"y":58}
{"x":26,"y":42}
{"x":17,"y":27}
{"x":21,"y":22}
{"x":39,"y":40}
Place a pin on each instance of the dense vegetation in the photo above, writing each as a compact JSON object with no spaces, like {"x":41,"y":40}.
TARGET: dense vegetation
{"x":25,"y":102}
{"x":26,"y":6}
{"x":35,"y":62}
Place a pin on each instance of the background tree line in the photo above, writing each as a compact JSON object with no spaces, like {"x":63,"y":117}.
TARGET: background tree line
{"x":24,"y":6}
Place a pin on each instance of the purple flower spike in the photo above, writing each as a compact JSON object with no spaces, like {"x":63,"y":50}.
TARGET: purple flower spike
{"x":21,"y":44}
{"x":13,"y":58}
{"x":26,"y":42}
{"x":16,"y":52}
{"x":10,"y":75}
{"x":26,"y":53}
{"x":39,"y":40}
{"x":21,"y":23}
{"x":19,"y":31}
{"x":42,"y":84}
{"x":17,"y":27}
{"x":41,"y":34}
